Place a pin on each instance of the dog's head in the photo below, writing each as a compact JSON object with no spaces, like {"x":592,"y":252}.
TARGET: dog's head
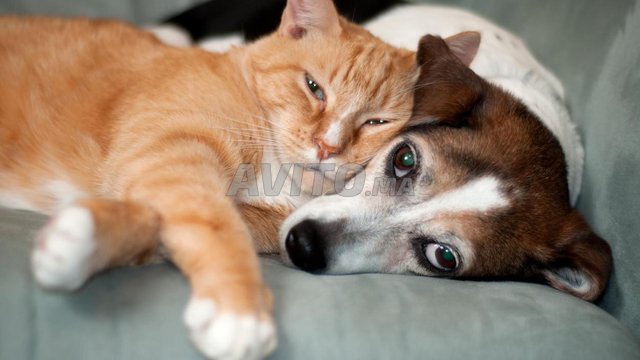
{"x":477,"y":188}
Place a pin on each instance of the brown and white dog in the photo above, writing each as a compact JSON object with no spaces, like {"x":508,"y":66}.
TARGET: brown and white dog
{"x":477,"y":188}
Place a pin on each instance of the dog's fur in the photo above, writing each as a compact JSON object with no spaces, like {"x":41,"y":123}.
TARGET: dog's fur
{"x":490,"y":182}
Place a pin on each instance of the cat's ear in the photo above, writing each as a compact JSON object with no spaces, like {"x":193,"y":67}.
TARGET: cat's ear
{"x":303,"y":16}
{"x":464,"y":46}
{"x":582,"y":261}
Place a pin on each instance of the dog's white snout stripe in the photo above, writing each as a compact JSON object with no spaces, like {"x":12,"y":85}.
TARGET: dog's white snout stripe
{"x":479,"y":195}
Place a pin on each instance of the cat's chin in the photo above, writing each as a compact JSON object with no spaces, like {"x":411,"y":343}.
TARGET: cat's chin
{"x":315,"y":181}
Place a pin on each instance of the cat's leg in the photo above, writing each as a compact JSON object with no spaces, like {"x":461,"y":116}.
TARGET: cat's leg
{"x":229,"y":314}
{"x":204,"y":234}
{"x":90,"y":236}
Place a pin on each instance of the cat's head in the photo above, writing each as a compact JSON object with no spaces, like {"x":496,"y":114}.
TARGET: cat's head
{"x":332,"y":92}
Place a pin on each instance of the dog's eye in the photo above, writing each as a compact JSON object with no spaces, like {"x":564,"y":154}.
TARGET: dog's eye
{"x":315,"y":89}
{"x":404,"y":161}
{"x":442,"y":257}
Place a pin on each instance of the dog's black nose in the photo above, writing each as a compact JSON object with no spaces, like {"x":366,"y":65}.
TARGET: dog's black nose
{"x":305,"y":246}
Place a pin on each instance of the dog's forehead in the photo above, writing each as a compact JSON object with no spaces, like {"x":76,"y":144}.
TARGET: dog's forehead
{"x":480,"y":195}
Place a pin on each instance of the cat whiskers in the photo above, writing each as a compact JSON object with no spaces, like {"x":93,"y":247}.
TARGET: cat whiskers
{"x":269,"y":129}
{"x":261,"y":134}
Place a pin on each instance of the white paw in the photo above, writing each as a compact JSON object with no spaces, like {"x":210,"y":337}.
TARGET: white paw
{"x":62,"y":256}
{"x":226,"y":336}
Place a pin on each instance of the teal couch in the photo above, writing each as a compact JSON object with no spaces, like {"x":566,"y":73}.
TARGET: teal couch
{"x":135,"y":313}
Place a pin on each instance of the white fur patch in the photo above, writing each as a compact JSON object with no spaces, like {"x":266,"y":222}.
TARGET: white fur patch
{"x":63,"y":192}
{"x":221,"y":43}
{"x":311,"y":154}
{"x":479,"y":195}
{"x":324,"y":208}
{"x":62,"y":256}
{"x":283,"y":197}
{"x":571,"y":278}
{"x":225,"y":336}
{"x":171,"y":35}
{"x":333,"y":135}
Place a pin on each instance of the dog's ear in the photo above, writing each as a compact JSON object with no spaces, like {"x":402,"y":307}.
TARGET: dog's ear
{"x":447,"y":89}
{"x":301,"y":16}
{"x":582,"y":261}
{"x":464,"y":46}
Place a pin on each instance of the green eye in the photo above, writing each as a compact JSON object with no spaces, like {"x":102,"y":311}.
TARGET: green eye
{"x":316,"y":90}
{"x":441,"y":256}
{"x":376,"y":122}
{"x":407,"y":160}
{"x":404,"y":161}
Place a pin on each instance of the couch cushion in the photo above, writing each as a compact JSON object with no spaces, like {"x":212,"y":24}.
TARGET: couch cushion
{"x":135,"y":313}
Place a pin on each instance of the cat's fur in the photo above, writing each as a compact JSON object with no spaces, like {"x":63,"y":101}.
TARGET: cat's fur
{"x":132,"y":144}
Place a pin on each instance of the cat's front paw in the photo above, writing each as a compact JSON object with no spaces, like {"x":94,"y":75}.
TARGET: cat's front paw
{"x":228,"y":336}
{"x":62,"y":256}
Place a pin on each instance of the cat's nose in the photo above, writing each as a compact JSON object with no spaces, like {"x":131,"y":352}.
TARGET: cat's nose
{"x":325,"y":150}
{"x":305,"y":247}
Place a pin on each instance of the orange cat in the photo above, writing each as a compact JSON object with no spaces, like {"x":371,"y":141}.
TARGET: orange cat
{"x":132,"y":145}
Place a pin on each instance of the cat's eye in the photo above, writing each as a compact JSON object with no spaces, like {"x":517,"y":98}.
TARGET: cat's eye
{"x":441,"y":256}
{"x":315,"y":89}
{"x":375,"y":122}
{"x":404,"y":161}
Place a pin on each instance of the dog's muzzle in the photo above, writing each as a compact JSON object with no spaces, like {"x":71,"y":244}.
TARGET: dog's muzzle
{"x":305,"y":246}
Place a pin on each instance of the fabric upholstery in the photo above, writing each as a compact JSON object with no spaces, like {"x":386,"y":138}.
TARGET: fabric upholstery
{"x":136,"y":314}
